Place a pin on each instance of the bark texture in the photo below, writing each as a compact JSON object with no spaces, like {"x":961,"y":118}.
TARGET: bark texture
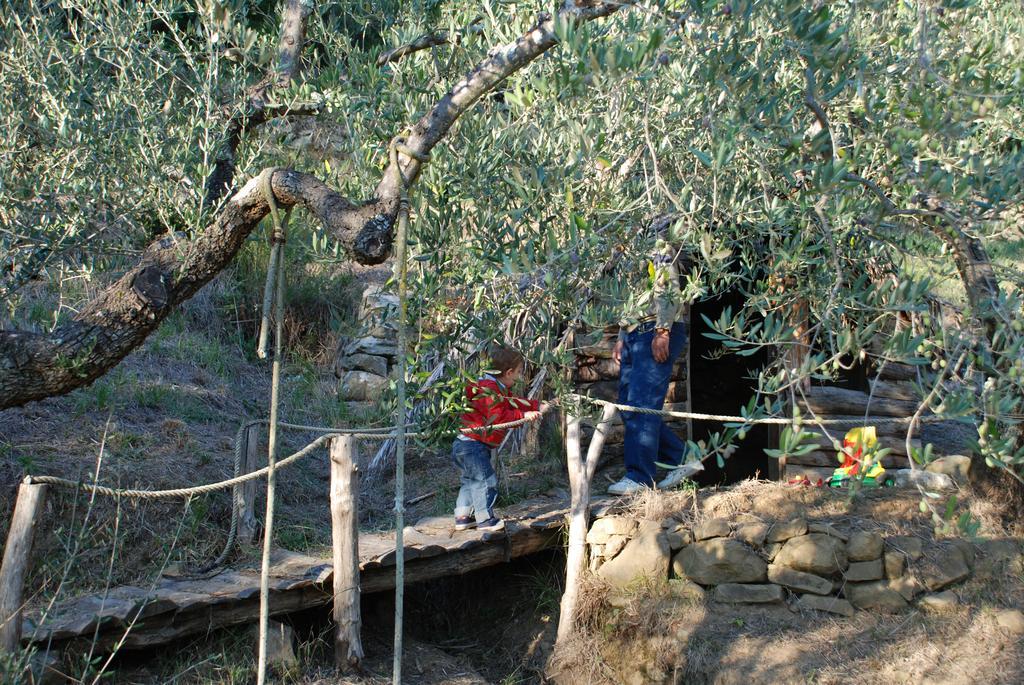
{"x":501,"y":62}
{"x":581,"y":473}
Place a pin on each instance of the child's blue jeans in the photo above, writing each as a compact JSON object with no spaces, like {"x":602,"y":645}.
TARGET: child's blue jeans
{"x":643,"y":382}
{"x":479,"y":483}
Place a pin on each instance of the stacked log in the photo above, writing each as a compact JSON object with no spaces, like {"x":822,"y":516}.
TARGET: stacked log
{"x":892,"y":395}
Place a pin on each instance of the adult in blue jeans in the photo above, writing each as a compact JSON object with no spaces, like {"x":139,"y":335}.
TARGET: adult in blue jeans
{"x":650,"y":342}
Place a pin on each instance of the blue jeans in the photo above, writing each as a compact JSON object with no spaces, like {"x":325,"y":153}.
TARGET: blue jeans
{"x":643,"y":382}
{"x":479,"y":483}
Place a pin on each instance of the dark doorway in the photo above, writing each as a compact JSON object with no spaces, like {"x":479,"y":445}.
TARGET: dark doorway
{"x":721,"y":384}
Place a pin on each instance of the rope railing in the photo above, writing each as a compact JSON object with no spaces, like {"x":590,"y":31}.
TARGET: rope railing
{"x":358,"y":433}
{"x":30,"y":494}
{"x":388,"y":432}
{"x":776,"y":420}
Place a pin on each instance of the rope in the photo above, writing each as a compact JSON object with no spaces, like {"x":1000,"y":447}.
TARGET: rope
{"x":275,"y":275}
{"x":238,"y":480}
{"x":241,"y":445}
{"x":388,"y":433}
{"x":278,"y":237}
{"x":401,"y":270}
{"x":748,"y":420}
{"x":177,"y":492}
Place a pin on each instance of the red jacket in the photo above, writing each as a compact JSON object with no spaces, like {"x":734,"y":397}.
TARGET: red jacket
{"x":490,"y":403}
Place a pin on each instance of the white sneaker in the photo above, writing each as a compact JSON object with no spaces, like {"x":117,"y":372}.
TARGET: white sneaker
{"x":679,"y":474}
{"x":626,"y":486}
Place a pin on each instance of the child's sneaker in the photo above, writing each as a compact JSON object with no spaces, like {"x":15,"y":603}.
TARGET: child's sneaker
{"x":464,"y":522}
{"x":491,"y":525}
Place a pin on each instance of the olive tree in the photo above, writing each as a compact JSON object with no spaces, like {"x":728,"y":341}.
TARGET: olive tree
{"x":54,"y":42}
{"x":857,"y":160}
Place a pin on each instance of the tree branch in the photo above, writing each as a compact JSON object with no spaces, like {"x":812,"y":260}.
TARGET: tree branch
{"x":501,"y":62}
{"x":426,"y":41}
{"x":293,"y":37}
{"x":34,"y":366}
{"x":969,"y":253}
{"x":811,"y":100}
{"x":256,"y":110}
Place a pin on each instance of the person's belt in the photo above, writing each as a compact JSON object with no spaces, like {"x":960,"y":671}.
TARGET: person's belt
{"x":641,"y":323}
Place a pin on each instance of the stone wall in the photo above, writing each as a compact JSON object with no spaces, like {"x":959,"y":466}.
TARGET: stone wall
{"x":821,"y":565}
{"x":364,"y":362}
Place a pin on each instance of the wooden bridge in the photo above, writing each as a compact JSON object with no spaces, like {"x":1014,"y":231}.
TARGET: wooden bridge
{"x":136,"y":617}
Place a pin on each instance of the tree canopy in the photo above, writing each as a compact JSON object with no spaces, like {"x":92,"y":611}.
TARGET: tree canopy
{"x":860,"y":158}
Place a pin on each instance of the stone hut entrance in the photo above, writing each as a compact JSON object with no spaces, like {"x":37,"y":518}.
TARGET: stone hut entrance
{"x":720,"y":385}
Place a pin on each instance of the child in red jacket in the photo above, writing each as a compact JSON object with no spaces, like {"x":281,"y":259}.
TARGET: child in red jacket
{"x":490,"y":403}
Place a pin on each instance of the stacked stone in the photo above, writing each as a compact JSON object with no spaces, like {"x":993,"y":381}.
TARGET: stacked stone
{"x":597,"y":375}
{"x":365,"y":361}
{"x":810,"y":565}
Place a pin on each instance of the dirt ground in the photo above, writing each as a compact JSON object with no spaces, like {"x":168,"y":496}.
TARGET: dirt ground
{"x":166,"y":417}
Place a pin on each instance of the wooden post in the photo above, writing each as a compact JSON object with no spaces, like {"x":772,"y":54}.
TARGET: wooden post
{"x":580,"y":474}
{"x":348,"y":647}
{"x":16,"y":562}
{"x":247,"y":523}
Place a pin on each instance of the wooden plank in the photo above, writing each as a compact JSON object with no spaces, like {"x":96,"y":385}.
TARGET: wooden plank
{"x":896,"y":443}
{"x":372,"y":547}
{"x":426,"y":545}
{"x":348,"y":646}
{"x":178,"y":608}
{"x":829,"y":400}
{"x":17,"y":554}
{"x":895,"y":390}
{"x":458,"y":563}
{"x":593,"y":369}
{"x":390,"y":558}
{"x":882,"y":428}
{"x":819,"y":458}
{"x":900,"y":372}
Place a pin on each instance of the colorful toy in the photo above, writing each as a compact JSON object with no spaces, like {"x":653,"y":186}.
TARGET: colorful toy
{"x":857,"y":459}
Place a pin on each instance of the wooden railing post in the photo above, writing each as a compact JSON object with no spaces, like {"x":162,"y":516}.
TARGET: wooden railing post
{"x":247,"y":523}
{"x":16,"y":562}
{"x":580,"y":474}
{"x":348,"y":647}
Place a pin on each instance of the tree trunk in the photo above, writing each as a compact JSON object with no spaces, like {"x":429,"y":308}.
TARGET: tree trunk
{"x":35,"y":366}
{"x":255,"y":111}
{"x":247,"y":523}
{"x":580,"y":474}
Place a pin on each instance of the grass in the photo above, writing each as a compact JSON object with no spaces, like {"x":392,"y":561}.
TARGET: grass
{"x":444,"y":501}
{"x":304,"y":538}
{"x":104,"y":394}
{"x":128,"y":444}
